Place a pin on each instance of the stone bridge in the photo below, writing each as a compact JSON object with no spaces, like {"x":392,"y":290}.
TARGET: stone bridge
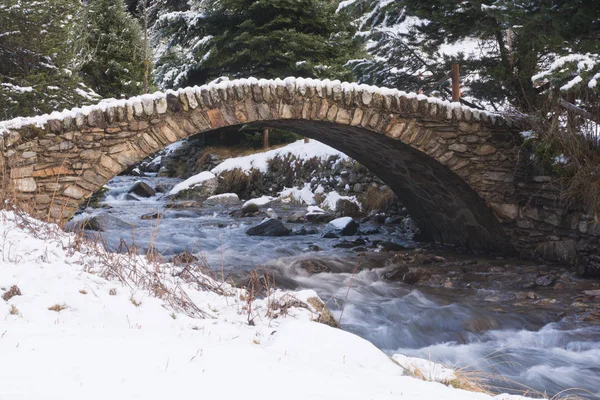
{"x":456,"y":169}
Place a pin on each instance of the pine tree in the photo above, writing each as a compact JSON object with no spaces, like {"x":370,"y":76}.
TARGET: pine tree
{"x":264,"y":38}
{"x":115,"y":40}
{"x":518,"y":38}
{"x":38,"y":62}
{"x":395,"y":58}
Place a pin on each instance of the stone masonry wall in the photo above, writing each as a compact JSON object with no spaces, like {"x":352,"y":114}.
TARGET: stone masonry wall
{"x":455,"y":169}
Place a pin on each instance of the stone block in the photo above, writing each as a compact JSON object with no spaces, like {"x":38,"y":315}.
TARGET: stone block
{"x":21,"y":172}
{"x":74,"y":192}
{"x":216,"y":118}
{"x":25,"y":185}
{"x":485,"y":150}
{"x":459,"y":148}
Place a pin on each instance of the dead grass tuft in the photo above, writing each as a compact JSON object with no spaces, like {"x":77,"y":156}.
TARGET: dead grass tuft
{"x":568,"y":147}
{"x":58,"y":307}
{"x":13,"y":310}
{"x":236,"y":181}
{"x":12,"y":292}
{"x":377,"y":199}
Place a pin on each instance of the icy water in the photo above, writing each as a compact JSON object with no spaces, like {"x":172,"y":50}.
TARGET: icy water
{"x":481,"y":323}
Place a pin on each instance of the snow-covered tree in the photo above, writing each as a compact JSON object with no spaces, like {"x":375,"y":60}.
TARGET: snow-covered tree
{"x":38,"y":58}
{"x":395,"y":57}
{"x":264,"y":38}
{"x":115,"y":40}
{"x":515,"y":38}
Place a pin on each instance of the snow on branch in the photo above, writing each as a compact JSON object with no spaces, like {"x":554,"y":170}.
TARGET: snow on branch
{"x":572,"y":72}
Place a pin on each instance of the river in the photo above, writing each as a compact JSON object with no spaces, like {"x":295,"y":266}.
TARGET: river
{"x":483,"y":318}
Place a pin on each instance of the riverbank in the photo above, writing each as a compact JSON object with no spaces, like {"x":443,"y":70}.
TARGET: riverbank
{"x":69,"y":332}
{"x":516,"y":325}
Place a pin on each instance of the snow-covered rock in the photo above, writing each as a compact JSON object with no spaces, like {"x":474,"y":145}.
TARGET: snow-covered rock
{"x":198,"y":187}
{"x":225,"y":199}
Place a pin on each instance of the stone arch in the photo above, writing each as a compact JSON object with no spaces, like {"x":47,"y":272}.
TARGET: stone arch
{"x":448,"y":164}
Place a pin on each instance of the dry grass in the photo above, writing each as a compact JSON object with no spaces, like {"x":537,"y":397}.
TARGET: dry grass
{"x":578,"y":142}
{"x":237,"y":181}
{"x":376,"y":199}
{"x":58,"y":307}
{"x":13,"y":310}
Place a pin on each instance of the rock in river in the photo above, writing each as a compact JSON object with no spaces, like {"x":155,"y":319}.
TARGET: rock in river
{"x":345,"y":226}
{"x":141,"y":189}
{"x":269,"y":227}
{"x":249,"y":210}
{"x":312,"y":265}
{"x":225,"y":199}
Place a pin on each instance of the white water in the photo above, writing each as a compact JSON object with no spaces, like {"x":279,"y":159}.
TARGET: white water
{"x":536,"y":349}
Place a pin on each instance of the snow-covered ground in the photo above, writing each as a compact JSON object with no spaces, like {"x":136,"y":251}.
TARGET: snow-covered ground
{"x":145,"y":333}
{"x":299,"y":151}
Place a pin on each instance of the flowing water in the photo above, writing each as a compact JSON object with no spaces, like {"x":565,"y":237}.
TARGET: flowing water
{"x":481,"y":323}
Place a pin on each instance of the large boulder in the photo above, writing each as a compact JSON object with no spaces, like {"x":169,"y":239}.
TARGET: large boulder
{"x":197,"y":188}
{"x":345,"y":226}
{"x":141,"y":189}
{"x":269,"y":227}
{"x":347,"y":208}
{"x":225,"y":199}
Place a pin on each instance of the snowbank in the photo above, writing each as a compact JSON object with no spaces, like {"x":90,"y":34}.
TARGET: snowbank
{"x":73,"y":334}
{"x":299,"y":150}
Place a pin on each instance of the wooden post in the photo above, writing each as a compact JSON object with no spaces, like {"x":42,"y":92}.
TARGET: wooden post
{"x":455,"y":82}
{"x":306,"y":140}
{"x":266,"y":138}
{"x":570,"y":115}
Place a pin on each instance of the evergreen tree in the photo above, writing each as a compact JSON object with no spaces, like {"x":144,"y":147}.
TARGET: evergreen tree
{"x":395,"y":57}
{"x":38,"y":61}
{"x":263,"y":38}
{"x":518,"y":37}
{"x":115,"y":40}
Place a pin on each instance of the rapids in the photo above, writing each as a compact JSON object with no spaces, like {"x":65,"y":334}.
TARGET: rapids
{"x":484,"y":330}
